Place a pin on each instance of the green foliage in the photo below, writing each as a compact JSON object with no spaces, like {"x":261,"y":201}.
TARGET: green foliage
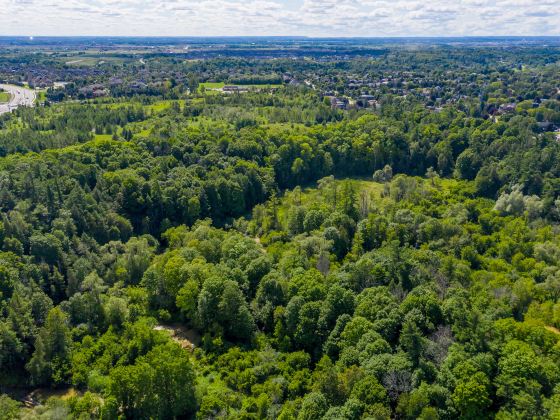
{"x":219,"y":255}
{"x":49,"y":363}
{"x":159,"y":384}
{"x":9,"y":409}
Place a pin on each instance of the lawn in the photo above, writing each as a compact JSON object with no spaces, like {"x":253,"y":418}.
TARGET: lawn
{"x":41,"y":96}
{"x":210,"y":85}
{"x":4,"y":97}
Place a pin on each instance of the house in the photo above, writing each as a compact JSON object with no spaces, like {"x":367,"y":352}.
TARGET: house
{"x":339,"y":103}
{"x":115,"y":81}
{"x":367,"y":101}
{"x":137,"y":85}
{"x":507,"y":108}
{"x":230,"y":89}
{"x":100,"y":93}
{"x":234,"y":89}
{"x":545,"y":125}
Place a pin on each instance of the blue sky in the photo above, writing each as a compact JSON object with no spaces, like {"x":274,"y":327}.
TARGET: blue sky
{"x":280,"y":17}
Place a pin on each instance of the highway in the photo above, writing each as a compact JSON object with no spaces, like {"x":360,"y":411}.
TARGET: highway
{"x":20,"y":97}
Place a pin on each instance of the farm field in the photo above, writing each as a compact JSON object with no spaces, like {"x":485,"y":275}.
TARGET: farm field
{"x":92,"y":60}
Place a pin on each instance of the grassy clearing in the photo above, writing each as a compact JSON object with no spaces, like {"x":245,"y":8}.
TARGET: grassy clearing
{"x":144,"y":133}
{"x":160,"y":106}
{"x":312,"y":195}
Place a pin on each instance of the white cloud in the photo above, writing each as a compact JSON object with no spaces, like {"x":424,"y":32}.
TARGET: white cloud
{"x":280,"y":17}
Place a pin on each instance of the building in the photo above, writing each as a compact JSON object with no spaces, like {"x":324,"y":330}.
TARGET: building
{"x":234,"y":89}
{"x":506,"y":108}
{"x":230,"y":89}
{"x":339,"y":103}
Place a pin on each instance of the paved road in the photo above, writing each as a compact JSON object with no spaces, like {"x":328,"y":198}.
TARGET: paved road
{"x":20,"y":97}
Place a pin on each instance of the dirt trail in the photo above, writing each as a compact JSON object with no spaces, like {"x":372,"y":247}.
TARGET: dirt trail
{"x":31,"y":398}
{"x":187,"y":338}
{"x":552,"y":329}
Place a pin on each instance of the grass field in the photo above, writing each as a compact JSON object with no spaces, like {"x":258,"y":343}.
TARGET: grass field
{"x":4,"y":97}
{"x":103,"y":137}
{"x":159,"y":106}
{"x":91,"y":61}
{"x":41,"y":96}
{"x":212,"y":87}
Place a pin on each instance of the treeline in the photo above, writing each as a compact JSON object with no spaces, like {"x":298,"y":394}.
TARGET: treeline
{"x":34,"y":130}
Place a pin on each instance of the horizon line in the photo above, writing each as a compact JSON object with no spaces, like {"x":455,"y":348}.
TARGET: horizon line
{"x":288,"y":36}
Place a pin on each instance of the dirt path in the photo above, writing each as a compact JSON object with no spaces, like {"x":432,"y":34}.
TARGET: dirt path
{"x":552,"y":329}
{"x":187,"y":338}
{"x":258,"y":242}
{"x":31,"y":398}
{"x":40,"y":395}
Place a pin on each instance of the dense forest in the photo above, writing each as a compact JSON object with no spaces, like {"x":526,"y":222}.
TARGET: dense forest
{"x":183,"y":252}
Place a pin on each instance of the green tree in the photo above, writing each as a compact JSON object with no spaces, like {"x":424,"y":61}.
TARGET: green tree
{"x":159,"y":385}
{"x":314,"y":406}
{"x":49,"y":363}
{"x":9,"y":409}
{"x":471,"y":396}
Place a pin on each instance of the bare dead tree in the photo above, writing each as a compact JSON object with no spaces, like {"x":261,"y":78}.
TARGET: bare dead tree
{"x":397,"y":382}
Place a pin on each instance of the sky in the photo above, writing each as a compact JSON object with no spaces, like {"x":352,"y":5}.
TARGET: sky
{"x":321,"y":18}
